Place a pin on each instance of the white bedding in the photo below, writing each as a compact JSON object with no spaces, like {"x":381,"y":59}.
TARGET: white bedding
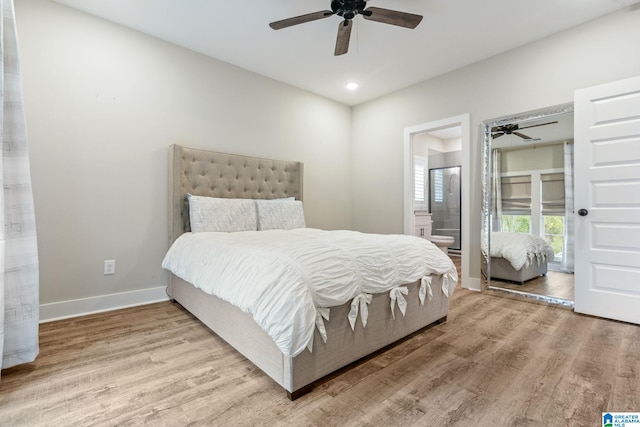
{"x":287,"y":278}
{"x":520,"y":249}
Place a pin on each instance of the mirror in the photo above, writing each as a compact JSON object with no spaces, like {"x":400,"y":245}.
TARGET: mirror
{"x":527,"y":205}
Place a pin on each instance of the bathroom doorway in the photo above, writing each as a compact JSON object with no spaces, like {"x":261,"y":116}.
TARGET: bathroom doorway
{"x":439,"y":136}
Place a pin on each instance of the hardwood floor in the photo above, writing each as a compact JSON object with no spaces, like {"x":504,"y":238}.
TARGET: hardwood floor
{"x":489,"y":364}
{"x":555,"y":284}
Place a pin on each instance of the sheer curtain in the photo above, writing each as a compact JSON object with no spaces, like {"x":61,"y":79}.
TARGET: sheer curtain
{"x":496,"y":190}
{"x":568,"y":249}
{"x":19,"y":298}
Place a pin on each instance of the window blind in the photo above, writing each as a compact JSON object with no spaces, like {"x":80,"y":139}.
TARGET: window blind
{"x":419,"y":181}
{"x":438,"y":185}
{"x":516,"y":195}
{"x":552,"y":193}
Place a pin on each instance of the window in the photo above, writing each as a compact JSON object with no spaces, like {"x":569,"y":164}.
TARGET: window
{"x":532,"y":195}
{"x":516,"y":204}
{"x":438,"y":191}
{"x":419,"y":181}
{"x":516,"y":223}
{"x":552,"y":193}
{"x":554,"y":234}
{"x":516,"y":195}
{"x":552,"y":201}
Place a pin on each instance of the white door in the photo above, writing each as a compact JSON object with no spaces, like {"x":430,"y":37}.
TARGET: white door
{"x":607,"y":200}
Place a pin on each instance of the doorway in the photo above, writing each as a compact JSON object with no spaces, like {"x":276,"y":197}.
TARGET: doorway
{"x":410,"y":135}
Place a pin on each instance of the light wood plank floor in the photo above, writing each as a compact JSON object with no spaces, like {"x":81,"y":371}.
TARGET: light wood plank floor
{"x":495,"y":362}
{"x":555,"y":284}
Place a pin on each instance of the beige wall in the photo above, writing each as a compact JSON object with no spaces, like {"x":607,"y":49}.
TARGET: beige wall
{"x":542,"y":74}
{"x":103,"y":104}
{"x":529,"y":159}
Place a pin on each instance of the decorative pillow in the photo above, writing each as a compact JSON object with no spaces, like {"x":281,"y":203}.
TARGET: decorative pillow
{"x":281,"y":214}
{"x":219,"y":214}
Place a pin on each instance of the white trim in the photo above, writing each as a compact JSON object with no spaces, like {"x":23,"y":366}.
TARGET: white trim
{"x":81,"y":307}
{"x":472,"y":283}
{"x":462,"y":120}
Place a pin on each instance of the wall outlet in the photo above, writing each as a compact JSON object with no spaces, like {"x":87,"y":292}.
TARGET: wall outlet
{"x":109,"y":266}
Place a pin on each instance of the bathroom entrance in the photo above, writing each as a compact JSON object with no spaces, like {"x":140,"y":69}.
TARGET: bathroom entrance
{"x":437,"y":159}
{"x":436,"y":154}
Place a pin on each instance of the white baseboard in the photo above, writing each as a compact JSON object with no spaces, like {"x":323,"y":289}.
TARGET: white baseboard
{"x":472,"y":283}
{"x":81,"y":307}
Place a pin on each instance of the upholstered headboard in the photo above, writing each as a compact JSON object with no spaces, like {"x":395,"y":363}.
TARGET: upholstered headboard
{"x":213,"y":174}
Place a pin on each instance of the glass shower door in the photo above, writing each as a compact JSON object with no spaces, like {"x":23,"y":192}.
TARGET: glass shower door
{"x":444,"y":202}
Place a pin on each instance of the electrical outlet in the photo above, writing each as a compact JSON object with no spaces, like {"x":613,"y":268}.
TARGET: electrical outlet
{"x":109,"y":266}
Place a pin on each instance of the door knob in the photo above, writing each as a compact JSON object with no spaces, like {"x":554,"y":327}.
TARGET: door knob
{"x":583,"y":212}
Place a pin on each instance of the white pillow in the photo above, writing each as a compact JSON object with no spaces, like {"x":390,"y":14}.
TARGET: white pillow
{"x":219,"y":214}
{"x":281,"y":214}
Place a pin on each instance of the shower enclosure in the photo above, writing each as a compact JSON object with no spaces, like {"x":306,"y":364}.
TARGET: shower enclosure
{"x":444,"y":202}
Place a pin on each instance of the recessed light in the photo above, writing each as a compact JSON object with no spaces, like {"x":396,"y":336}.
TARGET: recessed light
{"x":352,"y":86}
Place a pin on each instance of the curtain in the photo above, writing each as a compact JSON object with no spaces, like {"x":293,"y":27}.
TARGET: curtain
{"x":496,"y":190}
{"x":19,"y":299}
{"x":569,"y":226}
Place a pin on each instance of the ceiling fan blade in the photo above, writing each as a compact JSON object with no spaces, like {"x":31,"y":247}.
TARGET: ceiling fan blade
{"x":522,"y":135}
{"x":496,"y":135}
{"x":289,"y":22}
{"x":541,"y":124}
{"x":387,"y":16}
{"x":344,"y":35}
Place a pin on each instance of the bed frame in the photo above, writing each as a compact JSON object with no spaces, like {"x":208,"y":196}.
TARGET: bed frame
{"x":501,"y":269}
{"x":208,"y":173}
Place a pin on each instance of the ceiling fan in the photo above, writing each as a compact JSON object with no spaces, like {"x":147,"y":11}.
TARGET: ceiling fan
{"x":349,"y":9}
{"x":513,"y":128}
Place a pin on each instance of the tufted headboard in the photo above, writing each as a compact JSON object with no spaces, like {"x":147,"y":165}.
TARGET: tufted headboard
{"x":213,"y":174}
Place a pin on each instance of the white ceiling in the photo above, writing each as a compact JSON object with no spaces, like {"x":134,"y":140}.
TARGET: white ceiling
{"x":382,"y":58}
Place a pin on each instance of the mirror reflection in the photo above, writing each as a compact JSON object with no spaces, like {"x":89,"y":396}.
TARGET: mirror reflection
{"x":528,"y":205}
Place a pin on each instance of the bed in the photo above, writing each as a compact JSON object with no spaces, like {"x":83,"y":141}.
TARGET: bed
{"x":208,"y":174}
{"x":518,"y":257}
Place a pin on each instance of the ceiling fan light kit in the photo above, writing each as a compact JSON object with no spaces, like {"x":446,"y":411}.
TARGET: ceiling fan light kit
{"x":349,"y":9}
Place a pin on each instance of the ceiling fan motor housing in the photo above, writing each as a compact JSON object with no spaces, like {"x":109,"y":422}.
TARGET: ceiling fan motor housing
{"x":348,"y":9}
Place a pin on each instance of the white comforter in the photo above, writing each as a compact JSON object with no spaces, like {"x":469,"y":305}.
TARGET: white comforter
{"x":520,"y":249}
{"x":287,"y":278}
